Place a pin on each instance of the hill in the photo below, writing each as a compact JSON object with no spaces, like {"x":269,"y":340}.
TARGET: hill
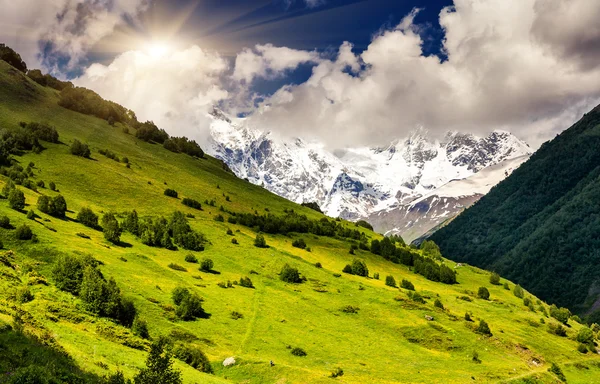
{"x":539,"y":226}
{"x":77,"y":295}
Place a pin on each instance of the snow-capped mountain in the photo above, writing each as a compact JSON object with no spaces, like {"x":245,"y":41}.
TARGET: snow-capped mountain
{"x":364,"y":183}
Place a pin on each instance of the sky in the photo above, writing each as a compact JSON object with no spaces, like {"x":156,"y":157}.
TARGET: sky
{"x":344,"y":72}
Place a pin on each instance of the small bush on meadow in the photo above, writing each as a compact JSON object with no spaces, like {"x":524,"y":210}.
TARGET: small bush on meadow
{"x":483,"y":293}
{"x":518,"y":291}
{"x":299,"y":243}
{"x":260,"y":241}
{"x":290,"y":275}
{"x":298,"y":352}
{"x":80,"y":149}
{"x":390,"y":281}
{"x":246,"y":282}
{"x":190,"y":258}
{"x":24,"y":232}
{"x":171,"y":193}
{"x":87,"y":217}
{"x":483,"y":328}
{"x":140,"y":328}
{"x":407,"y":285}
{"x":495,"y":278}
{"x":207,"y":265}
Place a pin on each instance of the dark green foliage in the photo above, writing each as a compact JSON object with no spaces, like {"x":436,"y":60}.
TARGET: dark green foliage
{"x":194,"y":357}
{"x":364,"y":224}
{"x":260,"y":241}
{"x":538,"y":226}
{"x":87,"y":217}
{"x":179,"y":294}
{"x":149,"y":132}
{"x":190,"y":308}
{"x":582,"y":348}
{"x":438,"y":304}
{"x":41,"y":184}
{"x":191,"y":258}
{"x":24,"y":295}
{"x":290,"y":274}
{"x":54,"y":206}
{"x":298,"y":352}
{"x":557,"y":329}
{"x":468,"y":316}
{"x":483,"y":328}
{"x":4,"y":222}
{"x":407,"y":285}
{"x":219,"y":218}
{"x":48,"y":80}
{"x":416,"y":297}
{"x":164,"y":233}
{"x":318,"y":265}
{"x":52,"y":186}
{"x":140,"y":328}
{"x":171,"y":193}
{"x":31,"y":215}
{"x":483,"y":293}
{"x":234,"y":241}
{"x":183,"y":145}
{"x":246,"y":282}
{"x":16,"y":199}
{"x":90,"y":103}
{"x":42,"y":131}
{"x":177,"y":267}
{"x":359,"y":268}
{"x":347,"y":269}
{"x":527,"y":301}
{"x":390,"y":281}
{"x":518,"y":291}
{"x":108,"y":153}
{"x":558,"y":372}
{"x":23,"y":232}
{"x":376,"y":275}
{"x":117,"y":378}
{"x":585,"y":336}
{"x":312,"y":205}
{"x":431,"y":249}
{"x":560,"y":314}
{"x":80,"y":149}
{"x":159,"y":366}
{"x":111,"y":228}
{"x":207,"y":265}
{"x":191,"y":203}
{"x":336,"y":373}
{"x":13,"y":58}
{"x":299,"y":243}
{"x":67,"y":273}
{"x":495,"y":278}
{"x":476,"y":358}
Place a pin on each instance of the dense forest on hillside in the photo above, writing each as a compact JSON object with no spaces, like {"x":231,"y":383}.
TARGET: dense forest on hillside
{"x":540,"y":226}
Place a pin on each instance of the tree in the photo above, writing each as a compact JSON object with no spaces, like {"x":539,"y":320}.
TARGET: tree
{"x":23,"y":232}
{"x":179,"y":294}
{"x":359,"y":268}
{"x":562,"y":314}
{"x":483,"y":293}
{"x":80,"y":149}
{"x":171,"y":193}
{"x":495,"y":278}
{"x":92,"y":291}
{"x":390,"y":281}
{"x":190,"y":308}
{"x":207,"y":265}
{"x":246,"y":282}
{"x":59,"y":206}
{"x":347,"y":269}
{"x":290,"y":275}
{"x":407,"y":285}
{"x":260,"y":241}
{"x":13,"y":58}
{"x":299,"y":243}
{"x":159,"y":366}
{"x":447,"y":275}
{"x":87,"y":217}
{"x":140,"y":328}
{"x":483,"y":328}
{"x":16,"y":199}
{"x":111,"y":228}
{"x":67,"y":273}
{"x":585,"y":336}
{"x":518,"y":291}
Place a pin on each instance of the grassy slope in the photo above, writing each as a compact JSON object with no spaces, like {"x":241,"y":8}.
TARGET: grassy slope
{"x":387,"y":341}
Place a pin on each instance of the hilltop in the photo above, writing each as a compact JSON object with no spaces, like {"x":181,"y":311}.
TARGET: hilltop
{"x":397,"y":314}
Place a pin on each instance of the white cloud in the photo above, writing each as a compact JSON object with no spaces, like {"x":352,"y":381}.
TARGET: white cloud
{"x":504,"y":70}
{"x":175,"y":90}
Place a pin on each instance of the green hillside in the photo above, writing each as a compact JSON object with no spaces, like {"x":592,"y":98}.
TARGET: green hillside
{"x":373,"y":332}
{"x":540,"y":226}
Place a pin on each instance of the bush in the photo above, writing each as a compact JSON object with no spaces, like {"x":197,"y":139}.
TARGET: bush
{"x":219,"y":218}
{"x":298,"y":352}
{"x":178,"y":294}
{"x":290,"y":275}
{"x":111,"y":228}
{"x":557,"y":329}
{"x":318,"y":265}
{"x":416,"y":297}
{"x":23,"y":232}
{"x":171,"y":193}
{"x":506,"y":286}
{"x":585,"y":336}
{"x":364,"y":224}
{"x":468,"y":316}
{"x":582,"y":348}
{"x":87,"y":217}
{"x":483,"y":293}
{"x":483,"y":328}
{"x":159,"y":367}
{"x":140,"y":328}
{"x":407,"y":285}
{"x":206,"y":265}
{"x":246,"y":282}
{"x":347,"y":269}
{"x":336,"y":373}
{"x":5,"y":222}
{"x":299,"y":243}
{"x":41,"y":184}
{"x":31,"y":214}
{"x":235,"y":315}
{"x":191,"y":258}
{"x":359,"y":268}
{"x":260,"y":241}
{"x":194,"y":357}
{"x":558,"y":372}
{"x":55,"y":206}
{"x":376,"y":275}
{"x":16,"y":199}
{"x":52,"y":186}
{"x":234,"y":241}
{"x":495,"y":278}
{"x":438,"y":304}
{"x":191,"y":203}
{"x":177,"y":267}
{"x":190,"y":308}
{"x":560,"y":314}
{"x":518,"y":291}
{"x":390,"y":281}
{"x":350,"y":309}
{"x":80,"y":149}
{"x":24,"y":295}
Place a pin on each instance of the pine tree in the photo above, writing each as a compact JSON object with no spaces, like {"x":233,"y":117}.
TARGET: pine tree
{"x":159,"y":366}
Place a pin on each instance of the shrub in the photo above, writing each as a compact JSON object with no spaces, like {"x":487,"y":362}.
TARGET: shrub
{"x":364,"y":224}
{"x":407,"y":285}
{"x":299,"y":243}
{"x":376,"y":275}
{"x":582,"y":348}
{"x":483,"y":328}
{"x":246,"y":282}
{"x":290,"y":275}
{"x":298,"y":352}
{"x":229,"y":232}
{"x":194,"y":357}
{"x":468,"y":316}
{"x":191,"y":258}
{"x":140,"y":328}
{"x":495,"y":278}
{"x":475,"y":357}
{"x":159,"y":367}
{"x":55,"y":206}
{"x":190,"y":308}
{"x":359,"y":268}
{"x":41,"y":184}
{"x":518,"y":291}
{"x":87,"y":217}
{"x":527,"y":301}
{"x":336,"y":373}
{"x":178,"y":294}
{"x":23,"y":232}
{"x":31,"y":214}
{"x":177,"y":267}
{"x":234,"y":241}
{"x":24,"y":295}
{"x":506,"y":286}
{"x":347,"y":269}
{"x":483,"y":293}
{"x":4,"y":222}
{"x":235,"y":315}
{"x":52,"y":186}
{"x":260,"y":241}
{"x":350,"y":309}
{"x":207,"y":265}
{"x":111,"y":228}
{"x":585,"y":336}
{"x":191,"y":203}
{"x":558,"y":372}
{"x":80,"y":149}
{"x":438,"y":304}
{"x":16,"y":199}
{"x":171,"y":193}
{"x":390,"y":281}
{"x":560,"y":314}
{"x":557,"y":329}
{"x":219,"y":218}
{"x":416,"y":297}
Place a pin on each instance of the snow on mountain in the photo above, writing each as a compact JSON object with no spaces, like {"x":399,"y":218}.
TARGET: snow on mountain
{"x":356,"y":183}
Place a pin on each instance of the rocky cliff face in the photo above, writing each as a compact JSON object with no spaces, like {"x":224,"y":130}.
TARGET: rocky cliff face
{"x":385,"y":185}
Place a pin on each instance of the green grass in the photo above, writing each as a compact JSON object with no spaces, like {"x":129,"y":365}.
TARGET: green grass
{"x":387,"y":341}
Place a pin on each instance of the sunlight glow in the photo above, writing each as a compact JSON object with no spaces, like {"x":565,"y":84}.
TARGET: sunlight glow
{"x":157,"y":49}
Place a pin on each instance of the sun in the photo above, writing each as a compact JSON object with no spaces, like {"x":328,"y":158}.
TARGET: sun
{"x":157,"y":49}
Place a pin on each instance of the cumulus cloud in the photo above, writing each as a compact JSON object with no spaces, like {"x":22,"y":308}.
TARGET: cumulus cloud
{"x":175,"y":89}
{"x":505,"y":69}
